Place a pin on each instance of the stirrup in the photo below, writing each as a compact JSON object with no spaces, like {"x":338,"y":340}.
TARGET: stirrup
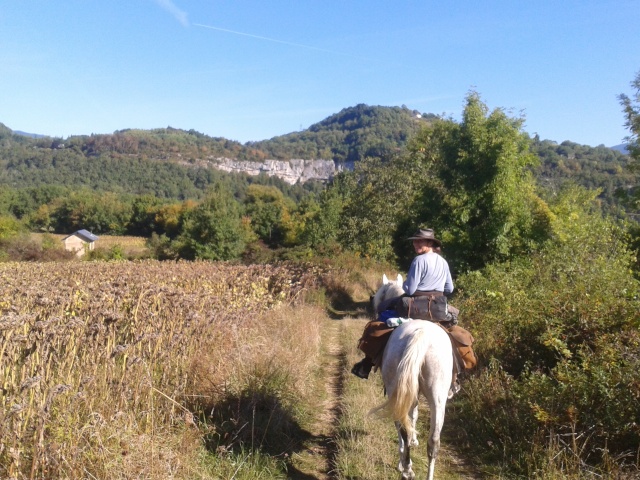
{"x":455,"y":388}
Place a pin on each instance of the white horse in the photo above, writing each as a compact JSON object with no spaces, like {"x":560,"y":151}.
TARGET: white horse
{"x":418,"y":359}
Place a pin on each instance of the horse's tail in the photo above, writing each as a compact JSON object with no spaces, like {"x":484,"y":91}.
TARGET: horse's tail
{"x":407,"y":381}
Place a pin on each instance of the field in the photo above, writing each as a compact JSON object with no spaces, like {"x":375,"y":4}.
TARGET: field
{"x":107,"y":367}
{"x":188,"y":370}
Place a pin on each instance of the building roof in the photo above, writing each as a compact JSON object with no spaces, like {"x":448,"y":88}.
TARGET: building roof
{"x":85,"y":235}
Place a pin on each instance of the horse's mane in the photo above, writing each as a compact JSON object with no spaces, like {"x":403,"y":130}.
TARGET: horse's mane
{"x":388,"y":290}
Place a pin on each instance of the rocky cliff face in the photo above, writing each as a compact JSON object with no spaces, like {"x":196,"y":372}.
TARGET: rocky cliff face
{"x":291,"y":171}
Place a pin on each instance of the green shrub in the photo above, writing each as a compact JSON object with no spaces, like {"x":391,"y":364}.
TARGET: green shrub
{"x":561,"y":330}
{"x":9,"y":227}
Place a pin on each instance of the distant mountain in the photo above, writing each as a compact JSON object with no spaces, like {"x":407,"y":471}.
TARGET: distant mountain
{"x":6,"y":132}
{"x":623,"y":148}
{"x":317,"y":153}
{"x":30,"y":135}
{"x":350,"y":135}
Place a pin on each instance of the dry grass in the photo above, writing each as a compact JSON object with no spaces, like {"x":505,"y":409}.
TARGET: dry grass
{"x":185,"y":370}
{"x":131,"y":246}
{"x":106,"y":367}
{"x":367,"y":445}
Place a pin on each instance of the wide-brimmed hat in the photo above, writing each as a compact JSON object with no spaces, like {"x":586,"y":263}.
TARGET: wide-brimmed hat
{"x":425,"y":234}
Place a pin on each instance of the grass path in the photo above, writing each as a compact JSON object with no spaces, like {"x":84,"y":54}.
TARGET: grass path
{"x":317,"y":459}
{"x":347,"y":443}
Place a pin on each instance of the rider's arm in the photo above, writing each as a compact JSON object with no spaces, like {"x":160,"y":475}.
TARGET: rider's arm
{"x":410,"y":285}
{"x":448,"y":283}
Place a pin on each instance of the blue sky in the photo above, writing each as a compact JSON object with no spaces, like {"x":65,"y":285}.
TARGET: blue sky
{"x":251,"y":70}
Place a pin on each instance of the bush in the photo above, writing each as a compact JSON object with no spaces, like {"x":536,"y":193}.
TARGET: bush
{"x":561,"y":330}
{"x":115,"y":252}
{"x":22,"y":248}
{"x":10,"y":227}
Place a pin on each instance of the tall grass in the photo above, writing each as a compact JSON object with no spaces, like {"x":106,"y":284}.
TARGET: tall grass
{"x":119,"y":370}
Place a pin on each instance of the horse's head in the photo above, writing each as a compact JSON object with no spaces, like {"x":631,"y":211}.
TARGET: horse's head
{"x":388,"y":290}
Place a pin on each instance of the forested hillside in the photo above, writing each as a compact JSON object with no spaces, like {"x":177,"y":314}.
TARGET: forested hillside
{"x":591,"y":167}
{"x":168,"y":162}
{"x":101,"y":182}
{"x":352,"y":134}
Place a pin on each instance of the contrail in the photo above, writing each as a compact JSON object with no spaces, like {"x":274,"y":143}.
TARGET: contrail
{"x":171,"y":7}
{"x":268,"y":39}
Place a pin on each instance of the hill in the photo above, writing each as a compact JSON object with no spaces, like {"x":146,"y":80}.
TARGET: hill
{"x":593,"y":167}
{"x":623,"y":148}
{"x":175,"y":163}
{"x":350,"y":135}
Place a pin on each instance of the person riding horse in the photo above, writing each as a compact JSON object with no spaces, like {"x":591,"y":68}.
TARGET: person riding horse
{"x":429,"y":275}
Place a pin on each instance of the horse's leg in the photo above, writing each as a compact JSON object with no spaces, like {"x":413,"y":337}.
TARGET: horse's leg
{"x":404,"y":466}
{"x":437,"y":398}
{"x":413,"y":415}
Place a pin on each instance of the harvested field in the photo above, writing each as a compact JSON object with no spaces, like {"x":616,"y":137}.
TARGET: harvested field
{"x":107,"y":367}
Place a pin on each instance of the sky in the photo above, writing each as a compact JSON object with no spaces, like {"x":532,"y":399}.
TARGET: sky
{"x":251,"y":70}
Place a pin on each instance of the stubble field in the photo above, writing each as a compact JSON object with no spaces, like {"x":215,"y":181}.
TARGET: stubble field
{"x":109,"y":370}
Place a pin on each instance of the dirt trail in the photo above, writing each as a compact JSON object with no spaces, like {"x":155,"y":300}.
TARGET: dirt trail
{"x":318,"y":460}
{"x":334,"y":383}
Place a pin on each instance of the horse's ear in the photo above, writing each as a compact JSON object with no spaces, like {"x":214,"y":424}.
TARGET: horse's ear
{"x":385,"y":280}
{"x":399,"y":280}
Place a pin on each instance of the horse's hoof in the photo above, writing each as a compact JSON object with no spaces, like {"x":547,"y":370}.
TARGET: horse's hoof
{"x":414,"y":442}
{"x":406,"y":472}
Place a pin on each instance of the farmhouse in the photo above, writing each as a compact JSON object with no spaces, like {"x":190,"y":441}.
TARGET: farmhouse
{"x":79,"y":242}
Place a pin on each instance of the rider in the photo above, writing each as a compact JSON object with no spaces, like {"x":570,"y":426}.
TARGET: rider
{"x":429,"y":274}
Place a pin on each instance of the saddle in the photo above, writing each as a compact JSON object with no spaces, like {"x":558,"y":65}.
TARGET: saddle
{"x":376,"y":335}
{"x":462,"y":340}
{"x":374,"y":338}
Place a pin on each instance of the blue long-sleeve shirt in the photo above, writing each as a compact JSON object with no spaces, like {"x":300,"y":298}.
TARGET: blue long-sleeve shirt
{"x":427,"y":272}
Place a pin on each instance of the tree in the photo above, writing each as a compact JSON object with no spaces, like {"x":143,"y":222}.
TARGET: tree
{"x":169,"y":218}
{"x":478,"y":193}
{"x":631,"y":108}
{"x":144,"y":210}
{"x":97,"y":212}
{"x":377,"y":206}
{"x":214,"y":230}
{"x":268,"y":209}
{"x":323,"y":223}
{"x":9,"y":227}
{"x":632,"y":113}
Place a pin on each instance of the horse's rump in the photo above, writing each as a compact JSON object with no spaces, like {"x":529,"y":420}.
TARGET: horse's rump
{"x":416,"y":352}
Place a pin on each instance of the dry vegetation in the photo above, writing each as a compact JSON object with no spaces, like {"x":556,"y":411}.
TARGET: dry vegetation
{"x":134,"y":369}
{"x":188,"y":370}
{"x":130,"y":246}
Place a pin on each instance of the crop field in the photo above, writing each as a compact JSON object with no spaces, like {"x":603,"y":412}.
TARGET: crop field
{"x":108,"y":368}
